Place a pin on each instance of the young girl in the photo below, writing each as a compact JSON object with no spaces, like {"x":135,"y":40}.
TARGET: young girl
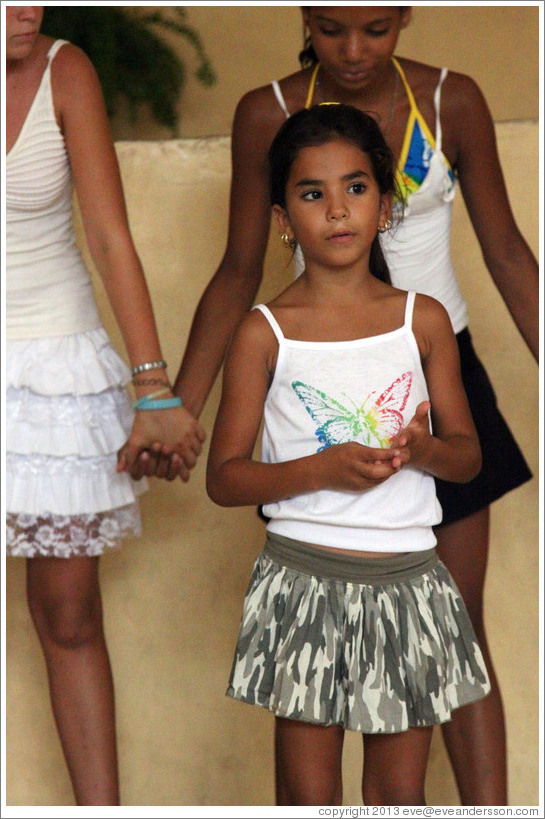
{"x":67,"y":409}
{"x":350,"y":620}
{"x":439,"y":127}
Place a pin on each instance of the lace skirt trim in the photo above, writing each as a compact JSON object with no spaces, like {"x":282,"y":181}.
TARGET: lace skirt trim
{"x":70,"y":535}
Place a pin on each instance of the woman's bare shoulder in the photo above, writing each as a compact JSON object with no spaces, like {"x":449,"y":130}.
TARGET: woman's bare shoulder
{"x":73,"y":73}
{"x":261,"y":104}
{"x":71,"y":57}
{"x":424,"y":76}
{"x":458,"y":89}
{"x":419,"y":74}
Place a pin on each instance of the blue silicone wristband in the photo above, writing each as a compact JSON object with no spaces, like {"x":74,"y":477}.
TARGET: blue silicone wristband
{"x":157,"y":404}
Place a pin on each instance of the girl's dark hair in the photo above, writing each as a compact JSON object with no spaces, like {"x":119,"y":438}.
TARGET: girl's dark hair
{"x":311,"y":127}
{"x":307,"y":56}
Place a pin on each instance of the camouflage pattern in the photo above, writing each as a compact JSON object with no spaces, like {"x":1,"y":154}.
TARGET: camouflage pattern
{"x":375,"y":657}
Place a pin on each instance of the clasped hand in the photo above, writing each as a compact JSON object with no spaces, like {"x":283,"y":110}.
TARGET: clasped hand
{"x":355,"y":467}
{"x":165,"y":443}
{"x":413,"y":441}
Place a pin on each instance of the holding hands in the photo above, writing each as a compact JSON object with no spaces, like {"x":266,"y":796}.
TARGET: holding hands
{"x":164,"y":442}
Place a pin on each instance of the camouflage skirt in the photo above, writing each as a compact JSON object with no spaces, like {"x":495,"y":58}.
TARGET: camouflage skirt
{"x":376,"y":645}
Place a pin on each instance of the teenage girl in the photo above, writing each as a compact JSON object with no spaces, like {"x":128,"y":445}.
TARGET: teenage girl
{"x":440,"y":129}
{"x":350,"y":619}
{"x":67,"y":409}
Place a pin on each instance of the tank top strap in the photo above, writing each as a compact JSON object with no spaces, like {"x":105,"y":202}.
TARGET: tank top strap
{"x":310,"y":93}
{"x":280,"y":97}
{"x":54,"y":48}
{"x":409,"y":306}
{"x":312,"y":85}
{"x":437,"y":103}
{"x":272,"y":321}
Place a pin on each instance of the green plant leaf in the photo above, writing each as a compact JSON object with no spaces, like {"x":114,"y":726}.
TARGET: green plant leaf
{"x":130,"y":58}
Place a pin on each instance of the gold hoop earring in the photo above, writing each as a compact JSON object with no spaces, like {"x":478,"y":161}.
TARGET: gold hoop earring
{"x":287,"y":241}
{"x":386,"y":226}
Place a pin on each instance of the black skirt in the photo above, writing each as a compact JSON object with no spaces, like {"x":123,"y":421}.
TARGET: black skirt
{"x":504,"y":466}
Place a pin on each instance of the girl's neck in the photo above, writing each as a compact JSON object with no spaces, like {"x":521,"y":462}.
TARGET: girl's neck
{"x":337,"y":287}
{"x":328,"y":311}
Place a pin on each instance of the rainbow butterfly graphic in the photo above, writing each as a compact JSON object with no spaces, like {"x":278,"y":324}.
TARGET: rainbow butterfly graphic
{"x":375,"y":423}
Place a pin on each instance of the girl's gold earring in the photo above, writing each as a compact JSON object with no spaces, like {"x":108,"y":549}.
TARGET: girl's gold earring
{"x":287,"y":241}
{"x":386,"y":226}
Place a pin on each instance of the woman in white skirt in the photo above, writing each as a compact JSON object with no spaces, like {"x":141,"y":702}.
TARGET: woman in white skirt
{"x":67,"y":408}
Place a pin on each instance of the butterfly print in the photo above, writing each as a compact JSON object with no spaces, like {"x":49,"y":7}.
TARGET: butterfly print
{"x":375,"y":423}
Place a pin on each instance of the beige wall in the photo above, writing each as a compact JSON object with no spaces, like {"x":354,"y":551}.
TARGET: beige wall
{"x":252,"y":45}
{"x":173,"y":597}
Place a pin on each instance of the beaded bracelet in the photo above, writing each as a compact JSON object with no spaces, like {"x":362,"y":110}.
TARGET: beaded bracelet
{"x":149,"y":365}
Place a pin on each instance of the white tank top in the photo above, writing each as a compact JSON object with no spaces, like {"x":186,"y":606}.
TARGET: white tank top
{"x":48,"y":290}
{"x":366,"y":390}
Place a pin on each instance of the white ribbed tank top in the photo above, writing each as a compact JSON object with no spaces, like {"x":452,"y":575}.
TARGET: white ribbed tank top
{"x":48,"y":289}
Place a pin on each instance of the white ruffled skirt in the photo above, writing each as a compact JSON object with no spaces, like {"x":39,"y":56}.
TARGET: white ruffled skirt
{"x":67,"y":414}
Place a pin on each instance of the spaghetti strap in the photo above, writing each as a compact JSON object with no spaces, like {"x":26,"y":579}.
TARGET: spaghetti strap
{"x":280,"y":98}
{"x":409,"y":305}
{"x":54,"y":48}
{"x":437,"y":102}
{"x":272,"y":321}
{"x":312,"y":85}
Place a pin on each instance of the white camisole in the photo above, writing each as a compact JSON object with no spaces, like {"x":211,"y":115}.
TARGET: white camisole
{"x":326,"y":393}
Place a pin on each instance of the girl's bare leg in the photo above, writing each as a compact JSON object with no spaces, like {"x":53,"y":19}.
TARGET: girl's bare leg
{"x":394,"y":769}
{"x":65,"y":604}
{"x":308,"y":763}
{"x":475,"y":738}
